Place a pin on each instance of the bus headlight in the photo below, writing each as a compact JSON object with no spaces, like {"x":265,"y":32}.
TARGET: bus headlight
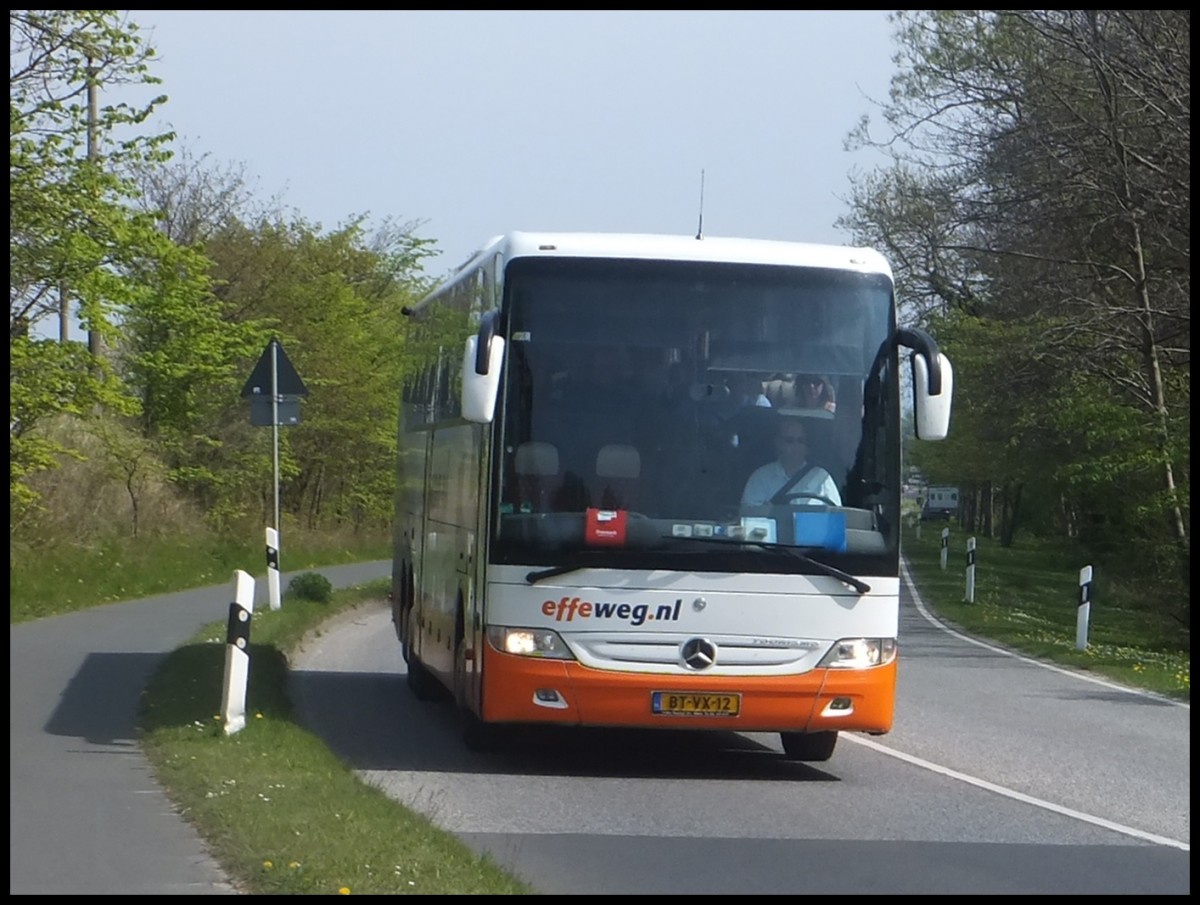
{"x":528,"y":642}
{"x":860,"y":653}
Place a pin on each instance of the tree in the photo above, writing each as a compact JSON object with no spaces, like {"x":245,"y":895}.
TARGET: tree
{"x":1039,"y":194}
{"x":73,"y":234}
{"x":193,"y":197}
{"x":334,"y":300}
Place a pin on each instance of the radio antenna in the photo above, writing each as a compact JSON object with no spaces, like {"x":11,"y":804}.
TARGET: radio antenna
{"x":700,"y":225}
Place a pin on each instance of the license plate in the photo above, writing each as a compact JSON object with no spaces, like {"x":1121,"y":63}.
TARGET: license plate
{"x":677,"y":703}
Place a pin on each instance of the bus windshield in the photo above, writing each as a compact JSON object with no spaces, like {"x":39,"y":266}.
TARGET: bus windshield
{"x":696,"y":415}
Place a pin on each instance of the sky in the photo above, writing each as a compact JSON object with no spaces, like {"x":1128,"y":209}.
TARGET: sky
{"x":472,"y":123}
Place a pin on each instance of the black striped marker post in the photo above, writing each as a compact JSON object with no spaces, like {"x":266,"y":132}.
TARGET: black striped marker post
{"x":970,"y":570}
{"x":237,"y":653}
{"x":945,"y":546}
{"x":1084,"y":612}
{"x":273,"y":568}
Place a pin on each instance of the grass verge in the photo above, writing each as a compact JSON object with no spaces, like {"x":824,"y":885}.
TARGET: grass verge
{"x":280,"y":812}
{"x":1027,"y":599}
{"x":57,"y":579}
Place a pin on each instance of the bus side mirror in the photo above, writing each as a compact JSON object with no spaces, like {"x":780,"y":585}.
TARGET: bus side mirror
{"x":481,"y":376}
{"x":931,"y":399}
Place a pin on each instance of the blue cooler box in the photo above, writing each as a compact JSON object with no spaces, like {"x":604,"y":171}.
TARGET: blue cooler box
{"x":820,"y":529}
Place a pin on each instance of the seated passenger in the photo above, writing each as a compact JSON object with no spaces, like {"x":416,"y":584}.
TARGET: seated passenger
{"x":748,"y":390}
{"x":816,"y":392}
{"x":790,"y":473}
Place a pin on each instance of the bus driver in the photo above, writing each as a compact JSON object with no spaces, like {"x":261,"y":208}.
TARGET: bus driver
{"x":790,"y":473}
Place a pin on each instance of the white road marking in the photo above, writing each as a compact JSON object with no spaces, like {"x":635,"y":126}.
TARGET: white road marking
{"x":1011,"y":793}
{"x":1002,"y":790}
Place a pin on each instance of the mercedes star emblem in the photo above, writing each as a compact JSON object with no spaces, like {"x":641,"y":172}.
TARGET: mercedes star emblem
{"x":698,"y":653}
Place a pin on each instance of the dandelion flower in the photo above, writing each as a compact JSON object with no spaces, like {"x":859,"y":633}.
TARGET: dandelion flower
{"x":268,"y":865}
{"x":293,"y":864}
{"x":344,"y":891}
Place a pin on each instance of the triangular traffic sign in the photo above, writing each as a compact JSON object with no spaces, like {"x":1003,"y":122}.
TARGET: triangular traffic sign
{"x":287,"y":381}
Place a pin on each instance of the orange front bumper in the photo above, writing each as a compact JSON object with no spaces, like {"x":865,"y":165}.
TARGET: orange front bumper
{"x":594,"y":697}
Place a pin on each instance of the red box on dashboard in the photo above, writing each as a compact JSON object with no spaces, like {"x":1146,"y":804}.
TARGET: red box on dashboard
{"x":605,"y":527}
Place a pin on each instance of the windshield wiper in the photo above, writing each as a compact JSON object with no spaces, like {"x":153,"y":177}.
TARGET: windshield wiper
{"x":791,"y":551}
{"x":581,"y":559}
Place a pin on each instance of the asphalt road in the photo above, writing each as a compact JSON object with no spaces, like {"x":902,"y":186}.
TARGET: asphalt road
{"x":86,"y":817}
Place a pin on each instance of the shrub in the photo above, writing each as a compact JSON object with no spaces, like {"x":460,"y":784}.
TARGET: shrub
{"x":310,"y":586}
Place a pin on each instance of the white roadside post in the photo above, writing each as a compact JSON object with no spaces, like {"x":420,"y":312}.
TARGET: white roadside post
{"x":1085,"y":608}
{"x":237,"y":653}
{"x":945,"y":546}
{"x":970,"y":570}
{"x":273,"y":568}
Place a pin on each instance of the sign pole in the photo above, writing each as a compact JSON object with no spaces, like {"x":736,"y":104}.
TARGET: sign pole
{"x":274,"y":372}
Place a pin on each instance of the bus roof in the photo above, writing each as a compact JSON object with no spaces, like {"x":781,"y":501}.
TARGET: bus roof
{"x":647,"y":246}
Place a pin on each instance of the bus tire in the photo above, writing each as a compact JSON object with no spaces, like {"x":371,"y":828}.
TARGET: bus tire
{"x":809,"y":746}
{"x":406,"y":635}
{"x":422,"y":685}
{"x":399,"y":598}
{"x":460,"y":693}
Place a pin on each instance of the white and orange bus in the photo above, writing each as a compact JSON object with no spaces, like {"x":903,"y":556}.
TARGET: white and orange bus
{"x":572,"y":544}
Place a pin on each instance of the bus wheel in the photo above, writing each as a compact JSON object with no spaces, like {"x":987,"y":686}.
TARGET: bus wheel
{"x":423,"y":686}
{"x":399,"y":597}
{"x":815,"y":746}
{"x":461,"y":692}
{"x":402,"y":608}
{"x":406,"y":636}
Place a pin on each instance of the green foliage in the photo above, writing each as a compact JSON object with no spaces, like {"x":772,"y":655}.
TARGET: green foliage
{"x":335,"y":302}
{"x":183,"y":355}
{"x":182,"y":326}
{"x":1036,"y":214}
{"x":310,"y":586}
{"x":72,"y":572}
{"x":47,"y":380}
{"x":181,"y":349}
{"x":73,"y":234}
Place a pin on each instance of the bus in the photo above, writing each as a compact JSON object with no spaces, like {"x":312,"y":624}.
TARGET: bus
{"x":573,"y":542}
